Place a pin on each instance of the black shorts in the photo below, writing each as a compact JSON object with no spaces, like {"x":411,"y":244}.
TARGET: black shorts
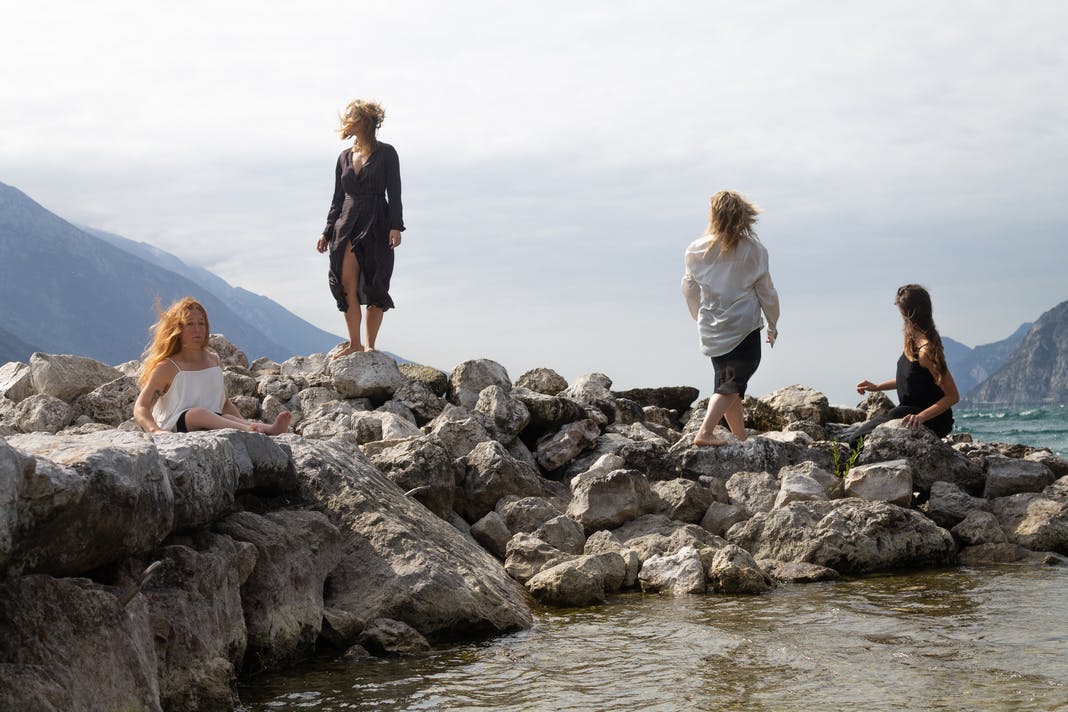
{"x":737,"y":366}
{"x":180,"y":426}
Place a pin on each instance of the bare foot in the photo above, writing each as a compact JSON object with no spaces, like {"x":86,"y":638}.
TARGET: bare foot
{"x":346,"y":351}
{"x":711,"y":442}
{"x":279,"y":426}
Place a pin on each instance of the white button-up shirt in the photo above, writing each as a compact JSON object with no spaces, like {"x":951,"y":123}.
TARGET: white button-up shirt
{"x":726,"y":293}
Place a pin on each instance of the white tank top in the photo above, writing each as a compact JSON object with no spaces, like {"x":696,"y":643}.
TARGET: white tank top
{"x":190,"y":389}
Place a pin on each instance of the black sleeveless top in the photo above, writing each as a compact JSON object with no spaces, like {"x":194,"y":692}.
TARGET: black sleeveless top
{"x":916,"y":388}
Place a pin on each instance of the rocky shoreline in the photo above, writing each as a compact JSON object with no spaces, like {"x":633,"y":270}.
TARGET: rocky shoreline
{"x":410,"y":508}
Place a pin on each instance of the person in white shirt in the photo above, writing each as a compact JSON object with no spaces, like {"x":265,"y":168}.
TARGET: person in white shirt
{"x":727,"y":285}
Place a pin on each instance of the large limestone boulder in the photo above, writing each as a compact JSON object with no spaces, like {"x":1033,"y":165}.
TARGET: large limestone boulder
{"x":564,"y":533}
{"x":563,"y":447}
{"x":365,"y":374}
{"x":603,"y":542}
{"x":386,"y":637}
{"x":654,"y":534}
{"x":580,"y":581}
{"x":757,"y":454}
{"x":492,"y":534}
{"x":796,"y":571}
{"x":283,"y":596}
{"x":931,"y":459}
{"x":548,"y":413}
{"x":424,"y":467}
{"x":492,"y":473}
{"x":677,"y":398}
{"x":720,"y":517}
{"x":733,"y":570}
{"x":753,"y":491}
{"x":681,"y":500}
{"x":799,"y":402}
{"x":883,"y":481}
{"x":421,"y":400}
{"x":1005,"y":476}
{"x":437,"y":381}
{"x":41,"y":413}
{"x":525,"y":514}
{"x":203,"y":473}
{"x":1035,"y":521}
{"x":194,"y":602}
{"x":948,"y":504}
{"x":847,"y":535}
{"x":605,"y":500}
{"x":978,"y":528}
{"x":397,"y":562}
{"x":229,"y":354}
{"x":507,"y":414}
{"x":16,"y":382}
{"x":678,"y":573}
{"x":263,"y":462}
{"x":16,"y":469}
{"x":469,"y":378}
{"x":68,"y":644}
{"x":92,"y":500}
{"x":67,"y":377}
{"x":526,"y":555}
{"x":542,"y":380}
{"x":459,"y":430}
{"x":112,"y":403}
{"x":798,"y":486}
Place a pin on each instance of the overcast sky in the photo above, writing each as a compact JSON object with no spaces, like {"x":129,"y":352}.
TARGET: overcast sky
{"x":557,"y":158}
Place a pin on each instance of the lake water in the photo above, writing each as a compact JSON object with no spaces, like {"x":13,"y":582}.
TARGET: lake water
{"x":989,"y":638}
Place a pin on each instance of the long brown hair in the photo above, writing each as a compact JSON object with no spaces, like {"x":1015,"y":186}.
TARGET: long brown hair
{"x":915,"y":304}
{"x":365,"y":115}
{"x":730,"y":219}
{"x":166,"y":339}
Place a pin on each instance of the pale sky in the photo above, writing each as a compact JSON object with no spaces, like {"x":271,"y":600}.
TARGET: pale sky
{"x":557,"y":158}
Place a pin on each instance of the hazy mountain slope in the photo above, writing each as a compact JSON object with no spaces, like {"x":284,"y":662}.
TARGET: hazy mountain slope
{"x":971,"y":366}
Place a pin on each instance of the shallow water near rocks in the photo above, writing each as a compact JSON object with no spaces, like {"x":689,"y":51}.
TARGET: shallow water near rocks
{"x":970,"y":638}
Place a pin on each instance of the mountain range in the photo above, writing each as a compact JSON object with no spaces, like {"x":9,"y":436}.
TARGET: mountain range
{"x":86,"y":292}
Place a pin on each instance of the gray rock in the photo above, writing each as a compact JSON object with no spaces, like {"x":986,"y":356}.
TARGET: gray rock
{"x":469,"y":378}
{"x":492,"y":534}
{"x":979,"y":527}
{"x":1007,"y":553}
{"x":204,"y":475}
{"x":42,"y":413}
{"x":459,"y":434}
{"x":798,"y":486}
{"x":889,"y":481}
{"x":264,"y":366}
{"x":847,"y":535}
{"x":423,"y":466}
{"x":525,"y":514}
{"x":67,"y":377}
{"x":681,"y":500}
{"x":16,"y":470}
{"x":799,"y":403}
{"x":398,"y":409}
{"x":1005,"y":476}
{"x":1056,"y":464}
{"x":263,"y":462}
{"x":491,"y":474}
{"x":385,"y":636}
{"x":757,"y":454}
{"x":63,"y":636}
{"x":229,"y":354}
{"x":240,"y":384}
{"x":719,"y":517}
{"x":282,"y":599}
{"x":248,"y":407}
{"x":277,"y":386}
{"x":605,"y":500}
{"x":575,"y":582}
{"x":607,"y":444}
{"x":563,"y":447}
{"x":398,"y":562}
{"x":679,"y":573}
{"x":677,"y":398}
{"x":437,"y":381}
{"x":753,"y":491}
{"x":548,"y":413}
{"x":564,"y":533}
{"x":507,"y":414}
{"x":1034,"y":521}
{"x":931,"y":459}
{"x":733,"y":570}
{"x":590,"y":388}
{"x":526,"y":555}
{"x":111,"y":403}
{"x":605,"y":542}
{"x":542,"y":380}
{"x":421,"y":400}
{"x":16,"y":383}
{"x":309,"y":370}
{"x":796,"y":571}
{"x":655,"y":534}
{"x":365,"y":374}
{"x":948,"y":504}
{"x":374,"y":426}
{"x":93,"y":500}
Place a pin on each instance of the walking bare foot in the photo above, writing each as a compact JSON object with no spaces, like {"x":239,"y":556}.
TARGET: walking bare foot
{"x":347,"y":350}
{"x":711,"y":442}
{"x":279,"y":426}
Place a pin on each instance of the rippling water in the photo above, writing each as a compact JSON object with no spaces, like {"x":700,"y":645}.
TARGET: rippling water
{"x":1039,"y":427}
{"x":986,"y":638}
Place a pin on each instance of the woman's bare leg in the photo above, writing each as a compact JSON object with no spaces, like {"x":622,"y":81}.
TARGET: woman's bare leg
{"x":350,"y":280}
{"x":735,"y":416}
{"x":204,"y":419}
{"x":717,"y":406}
{"x":374,"y":323}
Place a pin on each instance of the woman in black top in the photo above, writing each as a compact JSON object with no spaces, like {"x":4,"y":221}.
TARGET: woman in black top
{"x":924,"y":384}
{"x":364,"y":224}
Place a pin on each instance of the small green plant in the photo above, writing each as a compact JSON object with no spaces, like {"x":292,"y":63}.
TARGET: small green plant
{"x":841,"y":469}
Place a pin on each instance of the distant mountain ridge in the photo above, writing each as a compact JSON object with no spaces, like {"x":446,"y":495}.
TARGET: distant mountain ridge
{"x":972,"y":366}
{"x":66,"y":290}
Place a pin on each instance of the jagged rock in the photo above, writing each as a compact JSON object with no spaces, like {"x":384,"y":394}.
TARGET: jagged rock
{"x":204,"y":475}
{"x":605,"y":500}
{"x":948,"y":504}
{"x":798,"y":486}
{"x":92,"y":500}
{"x":526,"y":555}
{"x":563,"y":447}
{"x":395,"y":407}
{"x":1057,"y":489}
{"x":67,"y":377}
{"x":229,"y":355}
{"x":876,"y":404}
{"x":194,"y":602}
{"x":491,"y":474}
{"x":263,"y":462}
{"x":656,"y":534}
{"x":719,"y":517}
{"x":385,"y":636}
{"x":677,"y":398}
{"x":309,"y":399}
{"x":846,"y":416}
{"x":889,"y":481}
{"x":398,"y":562}
{"x":979,"y":527}
{"x":547,"y":413}
{"x":655,"y":415}
{"x":564,"y":533}
{"x":366,"y":374}
{"x":649,"y":457}
{"x":469,"y":378}
{"x":378,"y":425}
{"x":575,"y":582}
{"x":1034,"y":521}
{"x":283,"y":597}
{"x":796,"y":571}
{"x":459,"y":432}
{"x":525,"y":514}
{"x":276,"y":385}
{"x":63,"y":637}
{"x":542,"y":380}
{"x":799,"y":402}
{"x":41,"y":413}
{"x":681,"y":572}
{"x":507,"y":414}
{"x":637,"y":431}
{"x":437,"y":381}
{"x":239,"y":384}
{"x":424,"y":465}
{"x":756,"y":454}
{"x":681,"y":500}
{"x":753,"y":491}
{"x":604,"y":542}
{"x":1007,"y":553}
{"x":607,"y":444}
{"x":847,"y":535}
{"x":111,"y":403}
{"x":492,"y":534}
{"x":1005,"y":476}
{"x":307,"y":370}
{"x":16,"y":471}
{"x":590,"y":388}
{"x":16,"y":382}
{"x":264,"y":366}
{"x":733,"y":570}
{"x":1056,"y":464}
{"x":420,"y":399}
{"x":931,"y":459}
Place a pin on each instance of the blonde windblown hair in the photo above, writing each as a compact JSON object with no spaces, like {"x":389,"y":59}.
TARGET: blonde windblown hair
{"x":361,"y":117}
{"x":730,"y":219}
{"x":167,"y":335}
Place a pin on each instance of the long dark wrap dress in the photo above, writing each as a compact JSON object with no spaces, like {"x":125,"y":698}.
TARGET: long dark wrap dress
{"x":366,"y":206}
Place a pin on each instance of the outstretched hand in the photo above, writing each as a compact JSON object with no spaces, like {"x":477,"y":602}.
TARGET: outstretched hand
{"x":867,"y":387}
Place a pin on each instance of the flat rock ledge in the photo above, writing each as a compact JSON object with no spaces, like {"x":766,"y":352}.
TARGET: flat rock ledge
{"x":411,"y":508}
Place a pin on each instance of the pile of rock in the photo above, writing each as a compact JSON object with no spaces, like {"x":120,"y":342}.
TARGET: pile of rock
{"x":412,"y":506}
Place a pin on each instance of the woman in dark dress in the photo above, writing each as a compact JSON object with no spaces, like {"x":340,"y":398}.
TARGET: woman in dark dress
{"x":925,"y":387}
{"x":364,"y":224}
